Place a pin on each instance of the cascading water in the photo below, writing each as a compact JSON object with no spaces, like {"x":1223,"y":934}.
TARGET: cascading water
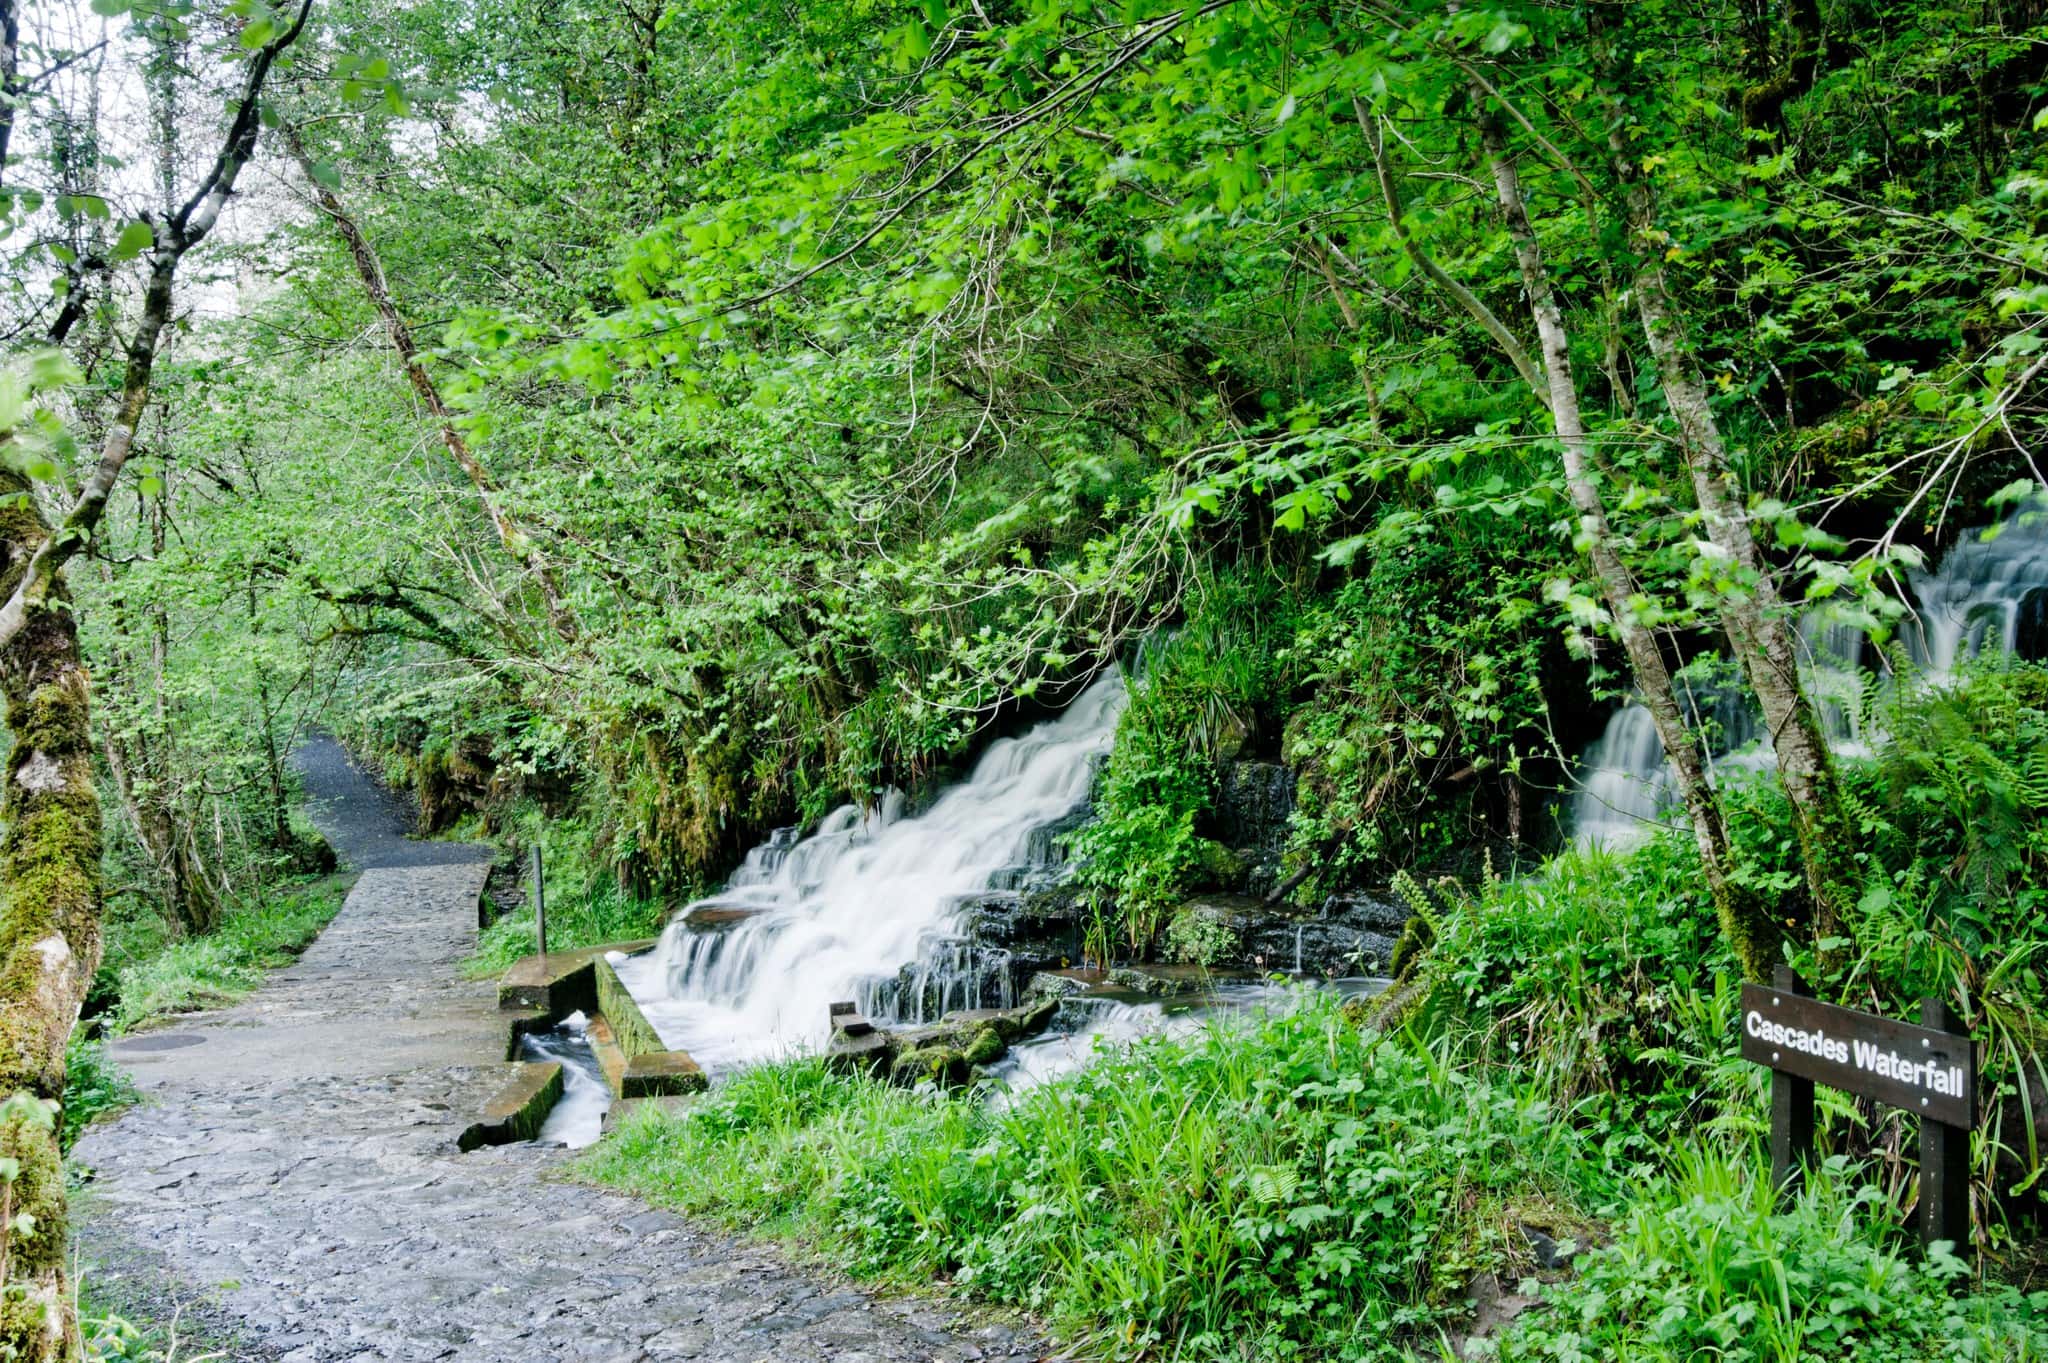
{"x":578,"y":1118}
{"x":867,"y":907}
{"x":1985,"y":597}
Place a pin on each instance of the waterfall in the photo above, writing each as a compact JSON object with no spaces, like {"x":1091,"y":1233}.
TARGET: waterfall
{"x":1986,"y":596}
{"x":868,"y":906}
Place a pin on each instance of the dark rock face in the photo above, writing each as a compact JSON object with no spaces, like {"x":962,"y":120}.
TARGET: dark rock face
{"x":1353,"y":935}
{"x":1254,"y":802}
{"x":2030,"y":639}
{"x":1040,"y":930}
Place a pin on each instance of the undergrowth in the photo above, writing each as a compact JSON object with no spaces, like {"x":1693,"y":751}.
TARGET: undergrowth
{"x":1292,"y":1187}
{"x":163,"y":976}
{"x":601,"y":915}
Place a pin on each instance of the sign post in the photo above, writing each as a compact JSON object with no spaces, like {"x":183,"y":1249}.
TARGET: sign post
{"x":540,"y":903}
{"x":1929,"y":1070}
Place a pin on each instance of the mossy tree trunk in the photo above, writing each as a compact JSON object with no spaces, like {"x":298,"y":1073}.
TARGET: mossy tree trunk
{"x":1752,"y":612}
{"x":50,"y":887}
{"x":49,"y":922}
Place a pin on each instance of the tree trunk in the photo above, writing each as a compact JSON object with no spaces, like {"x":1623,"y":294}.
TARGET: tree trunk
{"x":50,"y":851}
{"x":49,"y":924}
{"x":1753,"y":935}
{"x":1750,"y":608}
{"x":371,"y":271}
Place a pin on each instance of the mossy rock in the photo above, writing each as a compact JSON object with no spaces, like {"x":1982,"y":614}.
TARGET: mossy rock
{"x":1219,"y":868}
{"x":985,"y":1047}
{"x":941,"y":1065}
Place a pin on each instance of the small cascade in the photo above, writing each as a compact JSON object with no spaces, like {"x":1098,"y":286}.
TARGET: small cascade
{"x":578,"y":1118}
{"x":869,"y":907}
{"x":1626,"y":782}
{"x":1985,"y":597}
{"x":949,"y":974}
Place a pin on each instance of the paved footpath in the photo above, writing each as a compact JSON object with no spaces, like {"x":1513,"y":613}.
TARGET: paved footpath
{"x":291,"y":1187}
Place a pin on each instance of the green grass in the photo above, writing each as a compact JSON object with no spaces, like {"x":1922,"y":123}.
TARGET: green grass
{"x":178,"y":975}
{"x":1702,"y":1267}
{"x":1292,"y":1187}
{"x":93,"y":1087}
{"x":603,"y":915}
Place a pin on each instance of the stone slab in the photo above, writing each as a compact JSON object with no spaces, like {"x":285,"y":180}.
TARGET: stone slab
{"x":519,"y":1107}
{"x":661,"y":1074}
{"x":634,"y":1033}
{"x":560,"y":982}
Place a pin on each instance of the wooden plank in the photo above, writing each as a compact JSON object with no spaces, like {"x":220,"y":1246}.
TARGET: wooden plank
{"x":1927,"y":1072}
{"x":1944,"y":1159}
{"x":1791,"y":1111}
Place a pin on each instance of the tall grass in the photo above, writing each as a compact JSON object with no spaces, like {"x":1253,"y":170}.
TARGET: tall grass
{"x":1702,"y":1267}
{"x":181,"y":974}
{"x":1287,"y":1188}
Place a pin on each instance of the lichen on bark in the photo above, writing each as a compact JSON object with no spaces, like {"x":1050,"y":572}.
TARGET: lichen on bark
{"x":50,"y":892}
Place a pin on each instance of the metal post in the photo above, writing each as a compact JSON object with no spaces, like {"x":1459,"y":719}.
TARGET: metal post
{"x":1944,"y":1156}
{"x":1791,"y":1110}
{"x":540,"y":902}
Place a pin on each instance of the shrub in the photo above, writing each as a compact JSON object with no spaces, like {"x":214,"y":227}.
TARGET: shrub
{"x":1702,"y":1267}
{"x":1289,"y":1186}
{"x":93,"y":1087}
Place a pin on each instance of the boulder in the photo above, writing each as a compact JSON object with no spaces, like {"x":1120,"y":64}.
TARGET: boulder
{"x":946,"y":1053}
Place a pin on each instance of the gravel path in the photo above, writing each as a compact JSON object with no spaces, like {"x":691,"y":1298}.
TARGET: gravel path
{"x":292,"y":1190}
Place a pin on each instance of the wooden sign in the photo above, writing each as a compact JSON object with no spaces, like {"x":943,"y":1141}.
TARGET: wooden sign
{"x":1929,"y":1073}
{"x":1928,"y":1070}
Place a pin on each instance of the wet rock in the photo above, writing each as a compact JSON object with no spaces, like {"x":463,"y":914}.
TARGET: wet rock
{"x":1039,"y":930}
{"x":945,"y":1053}
{"x":2030,"y":626}
{"x":1050,"y":984}
{"x":717,"y":915}
{"x":950,"y":974}
{"x":1254,"y":801}
{"x":1550,"y":1256}
{"x":1355,"y":935}
{"x":1160,"y":982}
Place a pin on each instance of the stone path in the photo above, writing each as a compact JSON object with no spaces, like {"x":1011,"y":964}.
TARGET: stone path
{"x":291,"y":1186}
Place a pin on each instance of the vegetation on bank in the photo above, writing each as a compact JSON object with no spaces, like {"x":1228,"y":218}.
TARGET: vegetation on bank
{"x":151,"y":972}
{"x":586,"y":903}
{"x":1302,"y":1183}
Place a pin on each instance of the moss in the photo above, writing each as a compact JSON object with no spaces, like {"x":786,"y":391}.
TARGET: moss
{"x":941,"y":1065}
{"x":38,"y":1191}
{"x":985,"y":1047}
{"x":1416,"y":938}
{"x":24,"y":1325}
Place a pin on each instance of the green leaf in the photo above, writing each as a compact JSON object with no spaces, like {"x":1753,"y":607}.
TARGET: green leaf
{"x":325,"y":174}
{"x":135,"y":238}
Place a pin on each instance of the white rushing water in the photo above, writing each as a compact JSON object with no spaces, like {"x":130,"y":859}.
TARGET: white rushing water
{"x":1979,"y":599}
{"x":577,"y":1118}
{"x":839,"y":914}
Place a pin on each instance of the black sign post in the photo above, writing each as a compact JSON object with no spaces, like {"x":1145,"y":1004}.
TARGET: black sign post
{"x":1928,"y":1070}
